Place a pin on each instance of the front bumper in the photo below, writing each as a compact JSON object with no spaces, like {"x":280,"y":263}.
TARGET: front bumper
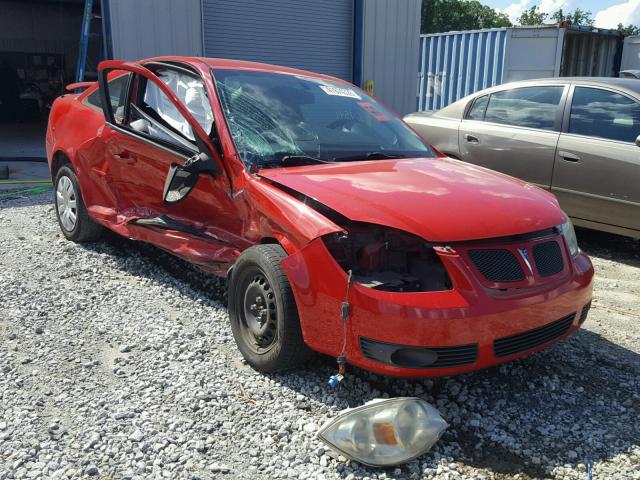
{"x":467,"y":316}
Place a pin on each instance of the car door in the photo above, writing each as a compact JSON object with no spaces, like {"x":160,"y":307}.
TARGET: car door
{"x":155,"y":130}
{"x":597,"y":170}
{"x":515,"y":131}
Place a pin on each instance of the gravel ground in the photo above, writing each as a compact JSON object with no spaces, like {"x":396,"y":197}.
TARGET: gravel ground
{"x":118,"y":362}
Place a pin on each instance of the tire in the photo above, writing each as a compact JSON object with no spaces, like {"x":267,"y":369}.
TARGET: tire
{"x":77,"y":225}
{"x":276,"y":344}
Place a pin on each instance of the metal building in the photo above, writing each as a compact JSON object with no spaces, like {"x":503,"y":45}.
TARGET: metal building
{"x":372,"y":43}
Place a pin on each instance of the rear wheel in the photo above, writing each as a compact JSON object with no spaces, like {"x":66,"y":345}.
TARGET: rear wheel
{"x":73,"y":218}
{"x":263,"y":313}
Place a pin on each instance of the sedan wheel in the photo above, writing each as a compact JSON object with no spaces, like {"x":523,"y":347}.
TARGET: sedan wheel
{"x":263,"y":312}
{"x":67,"y":204}
{"x":74,"y":220}
{"x":259,"y":318}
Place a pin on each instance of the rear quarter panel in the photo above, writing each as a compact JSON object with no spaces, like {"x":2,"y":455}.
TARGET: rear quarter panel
{"x":73,"y":130}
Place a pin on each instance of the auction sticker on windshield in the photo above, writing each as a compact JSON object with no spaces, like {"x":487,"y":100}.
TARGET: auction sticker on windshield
{"x":339,"y":92}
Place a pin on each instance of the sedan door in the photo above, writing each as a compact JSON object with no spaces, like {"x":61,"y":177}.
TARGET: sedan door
{"x":597,"y":173}
{"x":168,"y":121}
{"x":515,"y":131}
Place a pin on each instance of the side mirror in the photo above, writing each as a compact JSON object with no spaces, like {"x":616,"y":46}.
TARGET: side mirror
{"x":178,"y":184}
{"x":638,"y":140}
{"x":182,"y":178}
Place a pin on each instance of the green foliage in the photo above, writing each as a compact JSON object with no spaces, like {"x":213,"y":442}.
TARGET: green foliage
{"x":577,"y":17}
{"x":448,"y":15}
{"x":533,"y":16}
{"x":629,"y":30}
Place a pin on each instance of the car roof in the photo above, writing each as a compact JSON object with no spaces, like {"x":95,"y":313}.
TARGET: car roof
{"x":456,"y":109}
{"x":629,"y":84}
{"x":245,"y":65}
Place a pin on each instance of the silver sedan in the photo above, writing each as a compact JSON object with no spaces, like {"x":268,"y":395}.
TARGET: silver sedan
{"x":577,"y":137}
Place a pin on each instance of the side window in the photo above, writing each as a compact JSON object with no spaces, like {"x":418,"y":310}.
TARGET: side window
{"x":155,"y":116}
{"x":601,"y":113}
{"x":117,"y":95}
{"x":191,"y":92}
{"x":533,"y":107}
{"x":476,"y":112}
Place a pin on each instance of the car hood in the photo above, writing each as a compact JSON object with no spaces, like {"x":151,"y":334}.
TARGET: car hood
{"x":439,"y":199}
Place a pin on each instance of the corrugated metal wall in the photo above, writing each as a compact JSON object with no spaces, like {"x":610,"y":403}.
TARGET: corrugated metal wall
{"x":309,"y":34}
{"x":391,"y":32}
{"x":589,"y":55}
{"x":148,"y":28}
{"x":456,"y":64}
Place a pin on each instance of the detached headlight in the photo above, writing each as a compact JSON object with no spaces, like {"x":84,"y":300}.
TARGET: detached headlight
{"x":385,"y":432}
{"x":569,"y":234}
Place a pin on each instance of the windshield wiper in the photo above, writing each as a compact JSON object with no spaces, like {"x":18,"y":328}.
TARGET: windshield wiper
{"x":369,"y":156}
{"x":301,"y":160}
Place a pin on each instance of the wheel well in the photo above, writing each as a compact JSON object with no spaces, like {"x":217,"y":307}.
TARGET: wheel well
{"x":269,"y":241}
{"x":58,"y":161}
{"x":263,"y":241}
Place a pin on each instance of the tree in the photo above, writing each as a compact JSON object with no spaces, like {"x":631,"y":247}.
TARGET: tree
{"x":533,"y":16}
{"x":448,"y":15}
{"x":577,"y":17}
{"x":628,"y":30}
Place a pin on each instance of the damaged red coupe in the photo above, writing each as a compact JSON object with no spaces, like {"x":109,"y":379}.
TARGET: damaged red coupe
{"x":339,"y":229}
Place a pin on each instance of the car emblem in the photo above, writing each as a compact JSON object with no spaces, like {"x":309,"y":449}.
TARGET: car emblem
{"x":525,"y":256}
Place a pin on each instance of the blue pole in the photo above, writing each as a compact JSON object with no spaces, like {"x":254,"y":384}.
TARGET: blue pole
{"x":84,"y":40}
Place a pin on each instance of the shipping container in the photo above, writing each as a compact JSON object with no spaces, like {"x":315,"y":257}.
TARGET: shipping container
{"x":455,"y":64}
{"x":631,"y":54}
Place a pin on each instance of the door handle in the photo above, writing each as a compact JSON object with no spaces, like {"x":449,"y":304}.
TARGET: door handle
{"x":471,"y":138}
{"x":568,"y":156}
{"x":126,"y":156}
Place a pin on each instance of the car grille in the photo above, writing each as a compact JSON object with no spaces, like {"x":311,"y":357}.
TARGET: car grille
{"x":503,"y":347}
{"x":501,"y":265}
{"x":419,"y":357}
{"x":497,"y":265}
{"x":548,"y":258}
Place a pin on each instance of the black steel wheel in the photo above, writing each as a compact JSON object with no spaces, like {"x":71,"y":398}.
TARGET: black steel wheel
{"x":263,"y":313}
{"x":259,"y":318}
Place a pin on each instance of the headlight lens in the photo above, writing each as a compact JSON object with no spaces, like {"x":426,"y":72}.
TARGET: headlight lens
{"x":385,"y":432}
{"x":569,"y":234}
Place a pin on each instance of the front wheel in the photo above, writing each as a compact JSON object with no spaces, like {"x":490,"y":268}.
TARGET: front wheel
{"x":263,"y":312}
{"x":73,"y":218}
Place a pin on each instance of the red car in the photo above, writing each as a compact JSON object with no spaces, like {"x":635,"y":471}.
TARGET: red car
{"x":339,"y":228}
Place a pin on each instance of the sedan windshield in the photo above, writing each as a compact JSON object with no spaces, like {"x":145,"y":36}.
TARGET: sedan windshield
{"x":279,"y":120}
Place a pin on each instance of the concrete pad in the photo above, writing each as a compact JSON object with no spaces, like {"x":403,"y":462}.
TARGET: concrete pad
{"x":22,"y":140}
{"x":28,"y":172}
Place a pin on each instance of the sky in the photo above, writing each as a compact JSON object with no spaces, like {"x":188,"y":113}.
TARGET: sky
{"x":607,"y":13}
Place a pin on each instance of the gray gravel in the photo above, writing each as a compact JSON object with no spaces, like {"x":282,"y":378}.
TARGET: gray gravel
{"x":118,"y":362}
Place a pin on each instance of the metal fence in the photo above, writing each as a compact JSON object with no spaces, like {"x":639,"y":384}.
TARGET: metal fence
{"x":456,"y":64}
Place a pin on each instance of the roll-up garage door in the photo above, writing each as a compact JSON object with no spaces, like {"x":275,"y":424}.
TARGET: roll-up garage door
{"x":309,"y":34}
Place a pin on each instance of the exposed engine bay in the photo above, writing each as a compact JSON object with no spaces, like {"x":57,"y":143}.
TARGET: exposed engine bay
{"x":388,"y":259}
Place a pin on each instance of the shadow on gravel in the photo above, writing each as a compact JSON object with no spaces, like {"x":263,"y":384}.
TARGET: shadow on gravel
{"x":610,"y":246}
{"x":557,"y":407}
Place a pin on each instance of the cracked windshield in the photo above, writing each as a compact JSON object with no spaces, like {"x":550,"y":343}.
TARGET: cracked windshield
{"x":279,"y":120}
